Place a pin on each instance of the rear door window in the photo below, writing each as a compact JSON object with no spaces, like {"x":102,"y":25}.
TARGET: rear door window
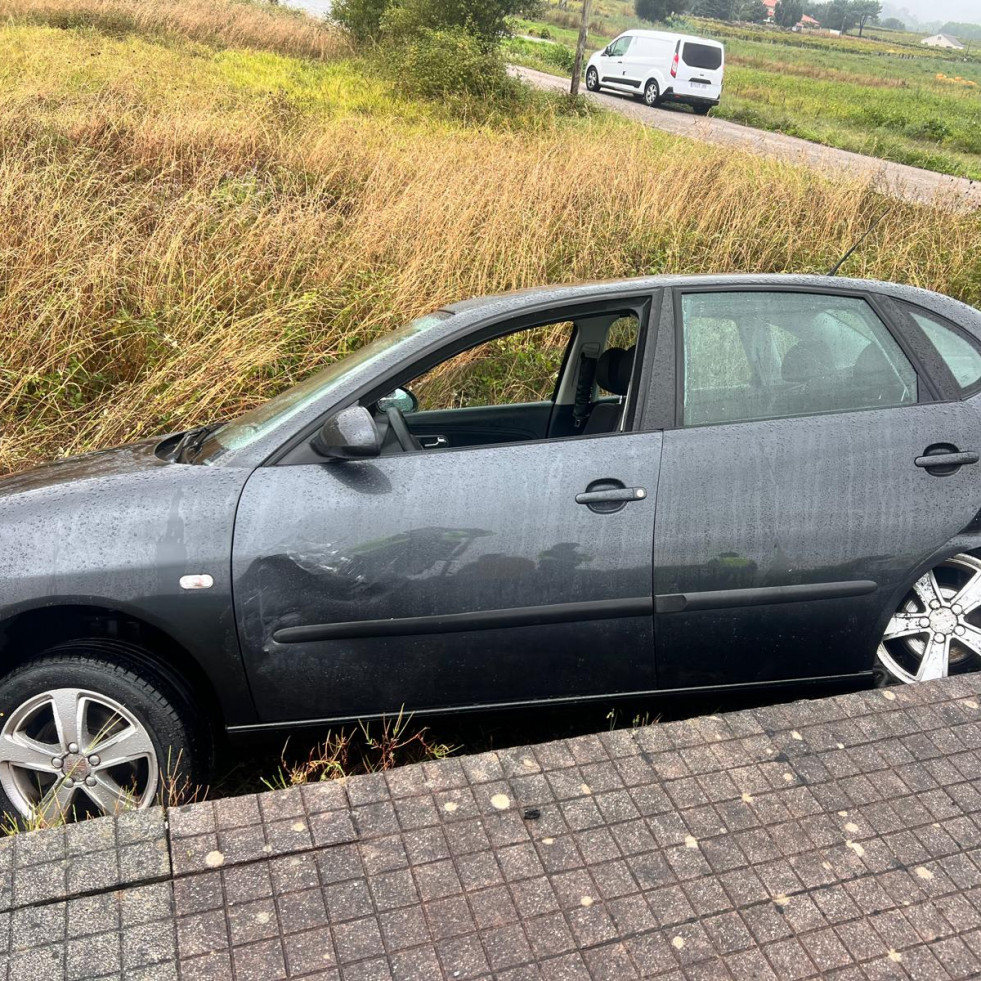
{"x":771,"y":355}
{"x":706,"y":56}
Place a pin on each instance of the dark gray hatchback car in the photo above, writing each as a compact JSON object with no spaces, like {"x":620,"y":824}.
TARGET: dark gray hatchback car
{"x":563,"y":494}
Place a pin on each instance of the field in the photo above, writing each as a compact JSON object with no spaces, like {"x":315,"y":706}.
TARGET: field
{"x":204,"y":202}
{"x":885,"y":98}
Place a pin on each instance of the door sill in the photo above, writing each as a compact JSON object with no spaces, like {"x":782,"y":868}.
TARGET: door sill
{"x":261,"y":727}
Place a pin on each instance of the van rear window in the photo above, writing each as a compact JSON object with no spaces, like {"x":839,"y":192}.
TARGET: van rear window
{"x":705,"y":56}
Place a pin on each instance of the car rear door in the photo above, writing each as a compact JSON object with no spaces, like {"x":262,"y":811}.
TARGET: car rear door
{"x":791,"y":509}
{"x":699,"y":70}
{"x":477,"y":575}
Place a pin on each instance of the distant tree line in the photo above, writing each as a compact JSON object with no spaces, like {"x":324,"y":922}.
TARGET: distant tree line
{"x":965,"y":32}
{"x":839,"y":15}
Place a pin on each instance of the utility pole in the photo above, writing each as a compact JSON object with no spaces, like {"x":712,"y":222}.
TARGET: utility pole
{"x":580,"y":47}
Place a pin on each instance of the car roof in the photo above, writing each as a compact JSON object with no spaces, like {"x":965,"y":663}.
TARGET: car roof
{"x":542,"y":296}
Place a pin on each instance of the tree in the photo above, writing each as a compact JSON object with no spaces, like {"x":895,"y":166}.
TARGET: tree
{"x":362,"y":18}
{"x":839,"y":15}
{"x":486,"y":20}
{"x":654,"y":10}
{"x":787,"y":13}
{"x":894,"y":24}
{"x":866,"y":11}
{"x":716,"y":9}
{"x":753,"y":11}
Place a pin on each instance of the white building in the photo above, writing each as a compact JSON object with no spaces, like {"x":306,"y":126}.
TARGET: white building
{"x":942,"y":41}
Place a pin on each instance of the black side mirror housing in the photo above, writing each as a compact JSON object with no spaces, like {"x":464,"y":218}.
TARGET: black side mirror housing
{"x":350,"y":434}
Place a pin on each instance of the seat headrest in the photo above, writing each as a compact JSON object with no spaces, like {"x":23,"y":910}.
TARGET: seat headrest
{"x":613,"y":370}
{"x":805,"y":361}
{"x":872,"y":362}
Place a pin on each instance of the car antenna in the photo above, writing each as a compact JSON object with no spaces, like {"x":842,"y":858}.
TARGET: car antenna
{"x":834,"y":269}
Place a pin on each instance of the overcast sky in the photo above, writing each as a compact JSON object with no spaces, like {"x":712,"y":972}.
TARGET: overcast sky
{"x":933,"y":10}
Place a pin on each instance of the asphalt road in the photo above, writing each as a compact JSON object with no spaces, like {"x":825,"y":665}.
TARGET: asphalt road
{"x":897,"y":180}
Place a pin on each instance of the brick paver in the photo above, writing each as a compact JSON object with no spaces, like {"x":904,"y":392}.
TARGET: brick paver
{"x":836,"y":838}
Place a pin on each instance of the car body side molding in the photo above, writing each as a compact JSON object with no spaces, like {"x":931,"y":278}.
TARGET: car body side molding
{"x":719,"y":599}
{"x":525,"y":616}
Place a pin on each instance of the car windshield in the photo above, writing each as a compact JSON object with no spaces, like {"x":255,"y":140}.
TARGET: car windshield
{"x":257,"y":422}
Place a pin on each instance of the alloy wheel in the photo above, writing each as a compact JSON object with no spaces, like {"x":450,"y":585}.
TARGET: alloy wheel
{"x":937,"y":629}
{"x":71,"y":752}
{"x":592,"y":80}
{"x":651,"y":93}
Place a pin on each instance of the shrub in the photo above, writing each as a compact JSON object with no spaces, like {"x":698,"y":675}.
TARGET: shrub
{"x":435,"y":64}
{"x":361,"y":18}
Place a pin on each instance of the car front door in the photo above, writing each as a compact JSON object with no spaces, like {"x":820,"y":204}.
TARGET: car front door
{"x":611,"y":66}
{"x":450,"y":577}
{"x":791,"y":507}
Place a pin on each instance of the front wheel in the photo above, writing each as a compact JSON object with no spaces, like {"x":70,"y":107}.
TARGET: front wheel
{"x":592,"y":80}
{"x":88,"y":731}
{"x":652,"y":94}
{"x":937,"y":629}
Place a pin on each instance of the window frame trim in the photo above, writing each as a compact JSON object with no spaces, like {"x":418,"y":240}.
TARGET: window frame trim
{"x":926,"y":389}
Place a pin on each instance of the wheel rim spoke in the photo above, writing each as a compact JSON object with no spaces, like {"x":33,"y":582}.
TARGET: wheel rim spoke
{"x":128,"y":746}
{"x":971,"y":638}
{"x":904,"y":625}
{"x":67,"y":706}
{"x":935,"y":660}
{"x":969,"y":598}
{"x":21,"y":750}
{"x":927,"y":589}
{"x":108,"y":796}
{"x":56,"y":804}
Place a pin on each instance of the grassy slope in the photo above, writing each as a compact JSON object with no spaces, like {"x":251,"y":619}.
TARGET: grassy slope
{"x":886,"y":99}
{"x":190,"y":226}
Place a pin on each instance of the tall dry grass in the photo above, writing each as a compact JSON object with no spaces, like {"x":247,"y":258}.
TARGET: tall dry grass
{"x":186,"y":232}
{"x":228,"y":24}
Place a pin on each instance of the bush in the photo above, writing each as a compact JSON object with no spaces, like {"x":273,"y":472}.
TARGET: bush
{"x":361,"y":18}
{"x":435,"y":64}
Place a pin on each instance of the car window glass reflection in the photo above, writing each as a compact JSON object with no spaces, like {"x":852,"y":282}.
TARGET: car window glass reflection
{"x":760,"y":355}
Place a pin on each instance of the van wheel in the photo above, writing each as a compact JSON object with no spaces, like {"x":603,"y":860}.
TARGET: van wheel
{"x":652,"y":94}
{"x":592,"y":80}
{"x":701,"y":110}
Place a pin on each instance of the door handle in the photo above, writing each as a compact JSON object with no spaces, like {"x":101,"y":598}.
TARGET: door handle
{"x":614,"y":494}
{"x":945,"y":459}
{"x":432,"y":442}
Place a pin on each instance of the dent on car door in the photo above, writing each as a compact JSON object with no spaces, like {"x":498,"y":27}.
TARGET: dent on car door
{"x":791,"y":508}
{"x":449,"y":577}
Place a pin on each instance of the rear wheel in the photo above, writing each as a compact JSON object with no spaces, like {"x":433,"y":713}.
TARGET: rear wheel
{"x":89,"y":730}
{"x":652,"y":93}
{"x":937,"y":629}
{"x":592,"y":80}
{"x":701,"y":110}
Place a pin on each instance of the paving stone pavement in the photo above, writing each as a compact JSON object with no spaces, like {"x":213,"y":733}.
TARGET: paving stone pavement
{"x":835,"y":838}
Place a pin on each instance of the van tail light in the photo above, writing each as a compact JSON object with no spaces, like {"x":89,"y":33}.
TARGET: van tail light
{"x":674,"y":66}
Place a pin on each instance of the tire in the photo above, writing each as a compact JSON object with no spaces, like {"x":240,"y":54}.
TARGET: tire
{"x":652,"y":94}
{"x":592,"y":80}
{"x":936,"y":630}
{"x":131,"y":729}
{"x":701,"y":110}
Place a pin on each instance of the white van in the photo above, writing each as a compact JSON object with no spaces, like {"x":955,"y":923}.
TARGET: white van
{"x":662,"y":67}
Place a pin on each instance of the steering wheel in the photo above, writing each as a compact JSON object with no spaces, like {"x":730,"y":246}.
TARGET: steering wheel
{"x":396,"y":421}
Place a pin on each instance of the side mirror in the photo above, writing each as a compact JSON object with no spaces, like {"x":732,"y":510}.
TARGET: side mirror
{"x":401,"y":399}
{"x":350,"y":434}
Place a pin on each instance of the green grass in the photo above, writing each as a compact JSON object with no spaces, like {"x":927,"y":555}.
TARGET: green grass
{"x":886,"y":98}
